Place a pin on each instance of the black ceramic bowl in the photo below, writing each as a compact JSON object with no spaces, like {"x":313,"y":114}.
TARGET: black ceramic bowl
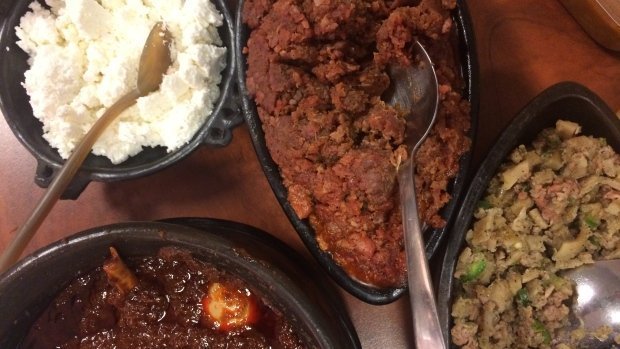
{"x":276,"y":273}
{"x":433,"y":237}
{"x":16,"y":108}
{"x":567,"y":101}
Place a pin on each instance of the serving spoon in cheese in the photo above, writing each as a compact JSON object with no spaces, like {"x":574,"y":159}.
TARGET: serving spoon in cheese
{"x":154,"y":62}
{"x":415,"y":91}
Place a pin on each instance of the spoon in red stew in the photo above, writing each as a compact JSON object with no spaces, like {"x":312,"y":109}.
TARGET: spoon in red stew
{"x":415,"y":91}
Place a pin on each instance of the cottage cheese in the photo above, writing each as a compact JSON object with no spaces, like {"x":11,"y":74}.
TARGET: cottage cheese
{"x":84,"y":55}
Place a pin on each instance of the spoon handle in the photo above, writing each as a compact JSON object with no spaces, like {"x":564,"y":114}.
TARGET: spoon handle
{"x":427,"y":332}
{"x":62,"y":180}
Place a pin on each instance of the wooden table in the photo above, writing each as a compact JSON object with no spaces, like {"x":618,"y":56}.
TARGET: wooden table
{"x":523,"y":47}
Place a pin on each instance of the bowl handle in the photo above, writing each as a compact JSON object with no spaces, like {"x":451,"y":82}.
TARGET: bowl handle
{"x":45,"y":174}
{"x":220,"y":132}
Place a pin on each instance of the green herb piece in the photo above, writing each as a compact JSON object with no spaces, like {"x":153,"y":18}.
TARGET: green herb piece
{"x":553,"y":141}
{"x":475,"y":269}
{"x":484,"y":204}
{"x":594,"y":241}
{"x":592,"y":222}
{"x":523,"y":297}
{"x":557,"y":281}
{"x":540,"y":328}
{"x":603,"y":141}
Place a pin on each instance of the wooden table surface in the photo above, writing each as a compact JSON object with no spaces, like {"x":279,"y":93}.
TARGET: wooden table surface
{"x":522,"y":47}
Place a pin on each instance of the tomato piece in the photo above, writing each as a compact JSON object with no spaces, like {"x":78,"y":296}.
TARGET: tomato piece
{"x":226,"y":307}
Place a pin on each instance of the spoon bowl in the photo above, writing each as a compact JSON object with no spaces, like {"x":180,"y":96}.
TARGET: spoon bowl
{"x":597,"y":301}
{"x":414,"y":90}
{"x":155,"y":60}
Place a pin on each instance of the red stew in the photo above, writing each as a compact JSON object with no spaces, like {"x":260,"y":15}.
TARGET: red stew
{"x":167,"y":301}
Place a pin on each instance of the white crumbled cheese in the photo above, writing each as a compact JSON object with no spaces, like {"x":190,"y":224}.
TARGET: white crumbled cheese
{"x":84,"y":56}
{"x":91,"y":19}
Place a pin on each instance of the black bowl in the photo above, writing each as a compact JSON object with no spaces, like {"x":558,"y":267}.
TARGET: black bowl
{"x":275,"y":271}
{"x":567,"y":101}
{"x":15,"y":105}
{"x":433,"y":237}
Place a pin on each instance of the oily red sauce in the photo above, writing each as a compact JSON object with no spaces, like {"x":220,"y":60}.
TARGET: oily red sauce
{"x":317,"y":70}
{"x":164,"y":310}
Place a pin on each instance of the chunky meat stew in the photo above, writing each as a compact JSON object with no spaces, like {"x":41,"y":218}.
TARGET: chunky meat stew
{"x":171,"y":300}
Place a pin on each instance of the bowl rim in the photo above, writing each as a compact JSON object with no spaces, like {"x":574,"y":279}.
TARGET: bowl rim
{"x":215,"y":238}
{"x":434,"y":237}
{"x":215,"y":131}
{"x":508,"y":139}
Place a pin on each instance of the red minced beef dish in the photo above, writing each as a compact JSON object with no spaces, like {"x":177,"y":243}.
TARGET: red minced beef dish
{"x":316,"y":70}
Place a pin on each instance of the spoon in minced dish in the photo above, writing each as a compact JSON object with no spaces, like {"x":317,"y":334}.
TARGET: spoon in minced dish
{"x":415,"y":91}
{"x":154,"y":62}
{"x":596,"y":309}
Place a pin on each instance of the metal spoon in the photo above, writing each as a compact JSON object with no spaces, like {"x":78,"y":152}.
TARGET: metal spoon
{"x":154,"y":63}
{"x":598,"y":300}
{"x":415,"y":90}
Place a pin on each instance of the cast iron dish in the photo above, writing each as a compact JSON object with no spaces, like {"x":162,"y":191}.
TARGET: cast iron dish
{"x":16,"y":108}
{"x":275,"y":270}
{"x":433,"y":237}
{"x":567,"y":101}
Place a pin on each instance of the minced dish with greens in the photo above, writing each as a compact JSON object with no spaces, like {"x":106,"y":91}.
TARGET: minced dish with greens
{"x":551,"y":207}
